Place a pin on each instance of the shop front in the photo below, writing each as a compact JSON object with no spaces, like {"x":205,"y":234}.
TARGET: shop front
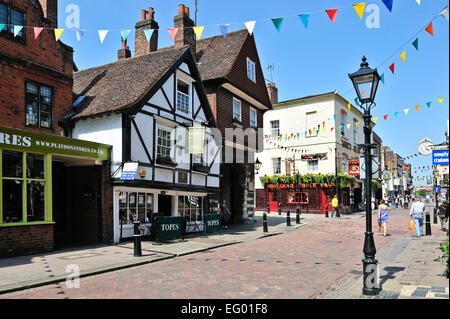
{"x":48,"y":185}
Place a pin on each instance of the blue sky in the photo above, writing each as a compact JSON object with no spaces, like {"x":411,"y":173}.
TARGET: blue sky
{"x":313,"y":60}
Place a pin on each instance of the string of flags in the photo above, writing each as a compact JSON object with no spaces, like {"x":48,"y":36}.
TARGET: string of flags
{"x":198,"y":30}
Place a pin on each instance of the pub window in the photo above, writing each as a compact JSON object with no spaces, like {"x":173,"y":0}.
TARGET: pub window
{"x":164,"y":144}
{"x":190,"y":208}
{"x":135,"y":206}
{"x":23,"y":186}
{"x":11,"y":17}
{"x":297,"y":197}
{"x":183,"y":96}
{"x":39,"y":105}
{"x":276,"y":165}
{"x":313,"y":166}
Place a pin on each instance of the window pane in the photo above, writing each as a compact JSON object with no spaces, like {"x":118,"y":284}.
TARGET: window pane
{"x":17,"y":19}
{"x":141,"y":207}
{"x":3,"y":14}
{"x":35,"y":201}
{"x":35,"y":166}
{"x":183,"y":87}
{"x":236,"y":110}
{"x":12,"y":164}
{"x":12,"y":201}
{"x":181,"y":206}
{"x":32,"y":88}
{"x":46,"y":120}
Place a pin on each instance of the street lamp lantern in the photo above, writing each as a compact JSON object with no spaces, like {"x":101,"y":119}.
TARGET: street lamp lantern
{"x":257,"y":165}
{"x":365,"y":81}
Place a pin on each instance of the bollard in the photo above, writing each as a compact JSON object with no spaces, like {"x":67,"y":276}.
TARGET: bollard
{"x":338,"y":214}
{"x":435,"y":216}
{"x":265,"y":230}
{"x":297,"y":218}
{"x":326,"y":211}
{"x":279,"y":208}
{"x":288,"y":218}
{"x":137,"y":240}
{"x":427,"y":224}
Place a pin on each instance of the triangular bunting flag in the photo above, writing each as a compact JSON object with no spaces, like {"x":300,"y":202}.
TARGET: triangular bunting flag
{"x":388,"y":4}
{"x":37,"y":31}
{"x":173,"y":33}
{"x":332,"y":129}
{"x":17,"y":29}
{"x":429,"y":29}
{"x":125,"y":34}
{"x":79,"y":33}
{"x":416,"y":44}
{"x":356,"y":100}
{"x":1,"y":27}
{"x":305,"y":19}
{"x":224,"y":29}
{"x":277,"y":23}
{"x":250,"y":25}
{"x":406,"y":111}
{"x":392,"y":67}
{"x":58,"y":33}
{"x":382,"y":78}
{"x":417,"y":107}
{"x":385,"y":117}
{"x":342,"y":111}
{"x":148,"y":34}
{"x":441,"y":100}
{"x":102,"y":35}
{"x":359,"y":8}
{"x":349,"y":106}
{"x":395,"y":114}
{"x":375,"y":119}
{"x":198,"y":32}
{"x":348,"y":126}
{"x":340,"y":127}
{"x":418,"y":2}
{"x":429,"y":104}
{"x":443,"y":13}
{"x":356,"y":124}
{"x":403,"y":56}
{"x":332,"y":14}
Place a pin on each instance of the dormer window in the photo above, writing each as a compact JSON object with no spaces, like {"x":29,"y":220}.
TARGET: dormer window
{"x":183,"y":96}
{"x":11,"y":17}
{"x":251,"y":70}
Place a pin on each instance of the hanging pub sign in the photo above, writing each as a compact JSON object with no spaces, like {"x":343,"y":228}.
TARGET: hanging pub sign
{"x":196,"y":140}
{"x":353,"y":167}
{"x":315,"y":157}
{"x":386,"y":175}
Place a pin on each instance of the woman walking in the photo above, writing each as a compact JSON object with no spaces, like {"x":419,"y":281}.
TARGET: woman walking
{"x":383,"y":218}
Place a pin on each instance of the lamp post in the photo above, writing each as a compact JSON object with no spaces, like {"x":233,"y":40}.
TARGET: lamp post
{"x":337,"y":182}
{"x":365,"y":82}
{"x":258,"y":165}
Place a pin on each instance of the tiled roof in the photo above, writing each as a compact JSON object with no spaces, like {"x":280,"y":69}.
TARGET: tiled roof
{"x":121,"y":84}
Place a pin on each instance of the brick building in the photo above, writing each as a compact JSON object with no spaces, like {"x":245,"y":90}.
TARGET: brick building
{"x":41,"y":171}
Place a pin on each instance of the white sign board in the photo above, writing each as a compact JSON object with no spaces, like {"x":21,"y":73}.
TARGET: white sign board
{"x":375,"y":166}
{"x":129,"y":171}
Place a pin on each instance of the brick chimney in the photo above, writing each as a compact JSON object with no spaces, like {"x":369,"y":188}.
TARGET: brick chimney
{"x":124,"y":52}
{"x":273,"y":92}
{"x":142,"y":46}
{"x":185,"y":34}
{"x":50,"y":9}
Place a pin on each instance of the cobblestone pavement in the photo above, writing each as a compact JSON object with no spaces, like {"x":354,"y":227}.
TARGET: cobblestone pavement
{"x":301,"y":263}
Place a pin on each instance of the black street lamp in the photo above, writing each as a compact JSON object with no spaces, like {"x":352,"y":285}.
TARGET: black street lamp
{"x":365,"y":81}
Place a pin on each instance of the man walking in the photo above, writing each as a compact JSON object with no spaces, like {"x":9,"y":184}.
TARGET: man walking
{"x":416,"y":213}
{"x":335,"y":204}
{"x":226,"y":214}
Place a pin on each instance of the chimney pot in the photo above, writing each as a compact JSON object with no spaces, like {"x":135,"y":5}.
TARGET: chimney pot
{"x":143,"y":15}
{"x":181,"y":9}
{"x":151,"y":13}
{"x":186,"y":11}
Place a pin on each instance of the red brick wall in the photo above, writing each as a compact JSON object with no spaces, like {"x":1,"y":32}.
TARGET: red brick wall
{"x":43,"y":60}
{"x":21,"y":240}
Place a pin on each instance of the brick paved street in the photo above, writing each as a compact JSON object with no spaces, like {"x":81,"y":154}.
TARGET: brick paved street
{"x":301,"y":263}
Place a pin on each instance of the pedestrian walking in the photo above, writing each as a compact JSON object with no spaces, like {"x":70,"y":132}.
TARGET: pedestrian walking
{"x":383,"y":218}
{"x":335,"y":204}
{"x":416,"y":213}
{"x":226,"y":214}
{"x":396,"y":201}
{"x":443,"y":215}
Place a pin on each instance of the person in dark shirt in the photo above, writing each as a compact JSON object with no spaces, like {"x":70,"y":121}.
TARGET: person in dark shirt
{"x":225,"y":214}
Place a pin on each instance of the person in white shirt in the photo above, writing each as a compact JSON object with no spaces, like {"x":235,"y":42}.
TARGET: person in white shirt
{"x":416,"y":213}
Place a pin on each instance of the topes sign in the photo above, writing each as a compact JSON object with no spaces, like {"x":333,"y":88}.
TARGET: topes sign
{"x":212,"y":223}
{"x":169,"y":227}
{"x":440,"y":157}
{"x":27,"y":141}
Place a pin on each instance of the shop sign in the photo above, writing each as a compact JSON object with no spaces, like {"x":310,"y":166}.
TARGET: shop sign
{"x":440,"y":157}
{"x":28,"y":141}
{"x":315,"y":157}
{"x":212,"y":223}
{"x":386,"y":175}
{"x":353,"y":167}
{"x":129,"y":171}
{"x":169,"y":227}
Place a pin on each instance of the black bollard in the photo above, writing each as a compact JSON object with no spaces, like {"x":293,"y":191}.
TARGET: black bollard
{"x":338,"y":214}
{"x":288,"y":218}
{"x":297,"y":218}
{"x":265,"y":230}
{"x":279,"y":208}
{"x":435,"y":216}
{"x":427,"y":224}
{"x":326,"y":211}
{"x":137,"y":240}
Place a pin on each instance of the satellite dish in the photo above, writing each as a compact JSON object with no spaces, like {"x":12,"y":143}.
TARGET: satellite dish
{"x":425,"y":146}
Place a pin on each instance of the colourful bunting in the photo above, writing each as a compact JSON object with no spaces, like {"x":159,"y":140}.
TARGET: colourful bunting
{"x":406,"y":111}
{"x":148,"y":34}
{"x":342,"y":111}
{"x":198,"y":32}
{"x":429,"y":28}
{"x":382,"y":78}
{"x":403,"y":56}
{"x":125,"y":34}
{"x":58,"y":33}
{"x":37,"y":32}
{"x":102,"y":35}
{"x":1,"y":27}
{"x":392,"y":67}
{"x":418,"y":2}
{"x":332,"y":14}
{"x":417,"y":107}
{"x":416,"y":44}
{"x":429,"y":104}
{"x":441,"y":100}
{"x":277,"y":23}
{"x":305,"y":19}
{"x":349,"y":106}
{"x":356,"y":124}
{"x":250,"y":25}
{"x":375,"y":120}
{"x":395,"y":114}
{"x":17,"y":29}
{"x":173,"y":33}
{"x":359,"y":8}
{"x":79,"y":33}
{"x":224,"y":29}
{"x":388,"y":4}
{"x":444,"y":13}
{"x":385,"y":117}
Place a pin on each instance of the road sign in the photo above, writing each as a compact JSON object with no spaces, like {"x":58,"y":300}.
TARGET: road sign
{"x":440,"y":157}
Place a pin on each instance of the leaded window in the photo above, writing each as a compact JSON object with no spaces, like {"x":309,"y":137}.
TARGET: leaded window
{"x":39,"y":105}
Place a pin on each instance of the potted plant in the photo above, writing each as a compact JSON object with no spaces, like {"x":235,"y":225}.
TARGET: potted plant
{"x":165,"y":161}
{"x":444,"y":257}
{"x":200,"y":167}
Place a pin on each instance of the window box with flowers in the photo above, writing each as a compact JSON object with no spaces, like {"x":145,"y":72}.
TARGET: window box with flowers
{"x":202,"y":168}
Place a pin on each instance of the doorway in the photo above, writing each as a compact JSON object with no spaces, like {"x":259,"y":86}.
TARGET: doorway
{"x":165,"y":205}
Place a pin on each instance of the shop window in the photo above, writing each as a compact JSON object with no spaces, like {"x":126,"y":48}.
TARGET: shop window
{"x":23,"y":199}
{"x":190,"y":208}
{"x":39,"y":105}
{"x":297,"y":197}
{"x":135,"y":206}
